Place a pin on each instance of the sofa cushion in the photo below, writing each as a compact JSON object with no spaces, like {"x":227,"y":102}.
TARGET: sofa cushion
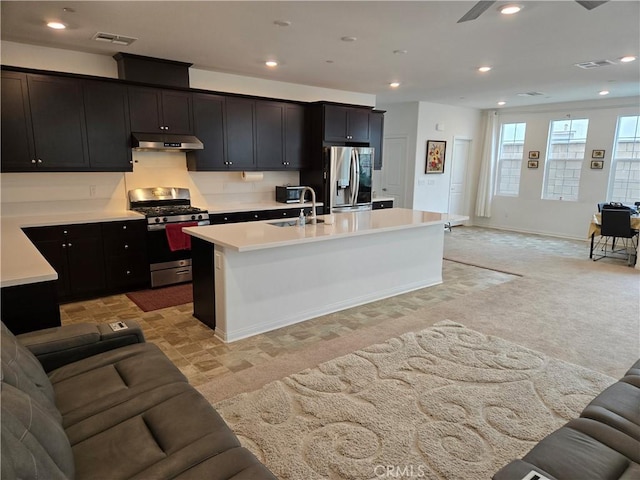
{"x":97,"y":383}
{"x":577,"y":451}
{"x":34,"y":445}
{"x":21,"y":369}
{"x":162,"y":442}
{"x":236,"y":463}
{"x":619,"y":407}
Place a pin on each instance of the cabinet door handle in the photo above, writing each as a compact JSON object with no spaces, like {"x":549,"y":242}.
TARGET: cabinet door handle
{"x":33,"y":160}
{"x":39,"y":161}
{"x":69,"y":245}
{"x":64,"y":245}
{"x":126,"y":246}
{"x":128,"y":272}
{"x":124,"y":227}
{"x":64,"y":232}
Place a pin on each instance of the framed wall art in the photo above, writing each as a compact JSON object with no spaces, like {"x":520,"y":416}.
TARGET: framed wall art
{"x":532,"y":164}
{"x":534,"y":155}
{"x":435,"y":156}
{"x":597,"y":164}
{"x":597,"y":154}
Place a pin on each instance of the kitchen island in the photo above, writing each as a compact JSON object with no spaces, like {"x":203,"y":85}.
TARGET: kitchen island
{"x":250,"y":278}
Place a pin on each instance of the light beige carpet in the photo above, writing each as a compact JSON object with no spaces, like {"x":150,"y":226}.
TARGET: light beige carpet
{"x":446,"y":402}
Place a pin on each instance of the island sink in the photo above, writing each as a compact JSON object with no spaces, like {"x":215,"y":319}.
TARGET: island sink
{"x":292,"y":223}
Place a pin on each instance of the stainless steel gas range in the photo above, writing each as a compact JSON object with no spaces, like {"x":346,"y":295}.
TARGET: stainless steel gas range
{"x":167,"y":210}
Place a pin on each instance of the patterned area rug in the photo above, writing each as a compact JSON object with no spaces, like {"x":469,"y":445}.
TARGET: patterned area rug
{"x":446,"y":402}
{"x":157,"y":298}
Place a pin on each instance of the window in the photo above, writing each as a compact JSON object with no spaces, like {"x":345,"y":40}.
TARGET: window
{"x":624,"y":183}
{"x":510,"y":158}
{"x":565,"y":154}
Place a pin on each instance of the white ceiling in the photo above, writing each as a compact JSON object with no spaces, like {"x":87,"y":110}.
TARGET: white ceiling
{"x":533,"y":51}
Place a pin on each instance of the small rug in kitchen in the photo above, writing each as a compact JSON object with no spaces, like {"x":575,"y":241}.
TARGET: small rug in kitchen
{"x":443,"y":403}
{"x":157,"y":298}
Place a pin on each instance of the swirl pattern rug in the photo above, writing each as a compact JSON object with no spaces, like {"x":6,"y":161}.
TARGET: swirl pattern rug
{"x":443,"y":403}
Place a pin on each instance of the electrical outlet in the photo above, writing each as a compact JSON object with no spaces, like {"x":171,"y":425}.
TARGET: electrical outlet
{"x":92,"y":190}
{"x":421,"y":182}
{"x":431,"y":182}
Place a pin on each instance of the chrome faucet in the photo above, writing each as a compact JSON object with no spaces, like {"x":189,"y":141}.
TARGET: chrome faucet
{"x":303,"y":191}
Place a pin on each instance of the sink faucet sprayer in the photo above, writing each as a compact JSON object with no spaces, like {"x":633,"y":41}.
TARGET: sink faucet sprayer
{"x":303,"y":191}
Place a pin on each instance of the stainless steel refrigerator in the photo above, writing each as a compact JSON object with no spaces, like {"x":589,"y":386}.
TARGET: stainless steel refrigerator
{"x":344,"y":183}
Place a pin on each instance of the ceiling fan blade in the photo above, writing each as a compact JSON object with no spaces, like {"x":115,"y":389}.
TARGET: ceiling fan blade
{"x":590,"y":5}
{"x":479,"y":8}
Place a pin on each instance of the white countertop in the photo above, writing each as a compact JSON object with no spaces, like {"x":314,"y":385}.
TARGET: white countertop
{"x":247,"y":207}
{"x":244,"y":237}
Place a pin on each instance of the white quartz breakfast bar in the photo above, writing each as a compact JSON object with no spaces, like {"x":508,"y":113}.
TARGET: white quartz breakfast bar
{"x":250,"y":278}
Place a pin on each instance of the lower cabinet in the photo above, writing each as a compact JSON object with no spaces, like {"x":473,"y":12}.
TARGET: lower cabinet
{"x":30,"y":307}
{"x":96,"y":258}
{"x":76,"y":254}
{"x":257,"y":215}
{"x":125,"y":255}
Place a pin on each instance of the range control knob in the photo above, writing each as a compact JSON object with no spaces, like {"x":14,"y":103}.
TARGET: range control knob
{"x":164,"y":219}
{"x":193,"y":217}
{"x":157,"y":220}
{"x":199,"y":217}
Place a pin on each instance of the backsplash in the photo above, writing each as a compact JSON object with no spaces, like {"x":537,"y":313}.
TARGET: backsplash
{"x":45,"y":193}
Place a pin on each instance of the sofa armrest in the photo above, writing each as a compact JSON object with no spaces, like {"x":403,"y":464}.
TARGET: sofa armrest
{"x":58,"y":346}
{"x":521,"y":470}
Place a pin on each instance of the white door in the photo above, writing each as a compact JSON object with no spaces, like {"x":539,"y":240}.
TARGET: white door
{"x":394,"y":170}
{"x":458,"y":186}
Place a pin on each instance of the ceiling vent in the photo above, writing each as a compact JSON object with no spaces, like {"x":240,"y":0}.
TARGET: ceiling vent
{"x":530,"y":94}
{"x":595,"y":64}
{"x":113,"y":38}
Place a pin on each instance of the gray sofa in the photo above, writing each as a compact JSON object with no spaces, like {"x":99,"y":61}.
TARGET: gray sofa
{"x":90,"y":402}
{"x":603,"y":444}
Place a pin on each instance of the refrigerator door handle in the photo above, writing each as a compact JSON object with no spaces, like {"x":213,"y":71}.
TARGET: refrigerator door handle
{"x":352,"y":178}
{"x":356,"y":176}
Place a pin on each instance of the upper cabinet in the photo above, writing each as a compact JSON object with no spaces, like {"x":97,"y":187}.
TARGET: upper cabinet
{"x":377,"y":129}
{"x":208,"y":124}
{"x":247,"y":134}
{"x":106,"y":109}
{"x":346,"y":124}
{"x":61,"y":124}
{"x":43,"y":125}
{"x":156,"y":110}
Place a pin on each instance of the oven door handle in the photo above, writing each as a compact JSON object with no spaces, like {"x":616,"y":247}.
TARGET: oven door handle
{"x":162,"y":226}
{"x":183,"y":272}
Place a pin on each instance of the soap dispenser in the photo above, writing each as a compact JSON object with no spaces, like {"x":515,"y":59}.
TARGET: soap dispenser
{"x":301,"y":218}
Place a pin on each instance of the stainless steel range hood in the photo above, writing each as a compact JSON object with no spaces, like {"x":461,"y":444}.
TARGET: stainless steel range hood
{"x":164,"y":142}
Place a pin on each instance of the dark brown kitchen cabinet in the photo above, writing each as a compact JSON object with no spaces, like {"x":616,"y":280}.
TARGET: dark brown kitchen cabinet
{"x":43,"y":123}
{"x":239,"y":134}
{"x":280,"y":135}
{"x":76,"y":254}
{"x":125,"y":255}
{"x":107,"y":115}
{"x":208,"y":124}
{"x":382,"y":204}
{"x":29,"y":307}
{"x":377,"y":132}
{"x":155,"y":110}
{"x":346,"y":124}
{"x":17,"y":134}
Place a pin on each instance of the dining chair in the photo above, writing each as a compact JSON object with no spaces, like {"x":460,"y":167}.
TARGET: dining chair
{"x":615,"y":225}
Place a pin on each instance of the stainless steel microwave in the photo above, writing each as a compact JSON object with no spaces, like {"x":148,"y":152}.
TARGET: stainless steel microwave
{"x":288,"y":194}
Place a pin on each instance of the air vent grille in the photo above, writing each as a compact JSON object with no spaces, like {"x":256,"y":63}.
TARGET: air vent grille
{"x":113,"y":38}
{"x":530,"y":94}
{"x":595,"y":64}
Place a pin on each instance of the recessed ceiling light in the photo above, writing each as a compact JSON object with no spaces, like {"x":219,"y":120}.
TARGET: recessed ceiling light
{"x":628,"y":58}
{"x":394,"y":84}
{"x":603,"y":92}
{"x":348,"y":39}
{"x":56,"y":25}
{"x":509,"y":9}
{"x":271,"y":63}
{"x":502,"y":102}
{"x":484,"y":69}
{"x":282,"y":23}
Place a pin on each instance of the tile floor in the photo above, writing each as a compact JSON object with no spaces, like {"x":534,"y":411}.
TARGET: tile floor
{"x":202,"y":357}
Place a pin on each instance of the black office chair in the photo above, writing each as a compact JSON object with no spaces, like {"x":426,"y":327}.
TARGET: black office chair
{"x":615,"y":224}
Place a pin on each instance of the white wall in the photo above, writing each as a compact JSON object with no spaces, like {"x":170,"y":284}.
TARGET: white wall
{"x":71,"y":192}
{"x":528,"y":212}
{"x":417,"y":121}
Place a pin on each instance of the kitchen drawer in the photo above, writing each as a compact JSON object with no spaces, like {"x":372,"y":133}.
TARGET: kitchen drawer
{"x":63,"y":232}
{"x":123,"y":246}
{"x":127,"y":271}
{"x":382,"y":204}
{"x":125,"y":229}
